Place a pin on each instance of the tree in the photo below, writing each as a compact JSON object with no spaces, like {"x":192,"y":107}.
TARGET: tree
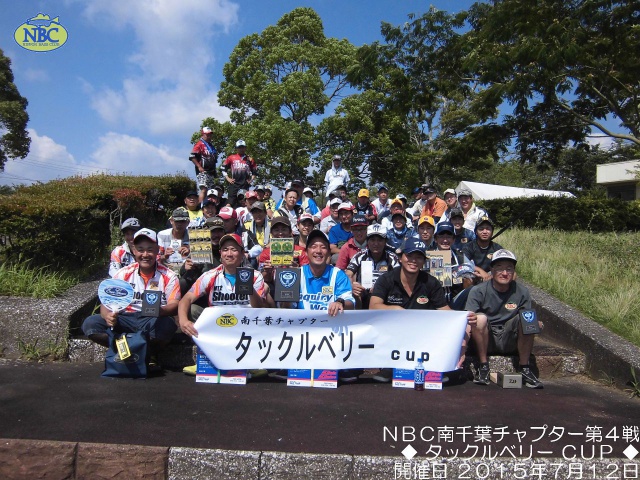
{"x":563,"y":66}
{"x":15,"y":141}
{"x":277,"y":84}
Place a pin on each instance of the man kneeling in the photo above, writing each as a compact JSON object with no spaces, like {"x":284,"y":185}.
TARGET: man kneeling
{"x":498,"y":329}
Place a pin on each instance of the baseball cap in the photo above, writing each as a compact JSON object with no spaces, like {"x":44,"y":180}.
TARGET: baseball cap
{"x":337,"y":157}
{"x":426,"y":219}
{"x":397,"y":200}
{"x":208,"y":201}
{"x":429,"y":189}
{"x":445,"y":227}
{"x":206,"y":130}
{"x":456,"y":212}
{"x":241,"y":143}
{"x":281,"y":219}
{"x":305,"y":216}
{"x":297,"y":181}
{"x":335,"y":201}
{"x":484,"y":219}
{"x":227,"y":212}
{"x":450,"y":190}
{"x":251,"y":194}
{"x":132,"y":223}
{"x":416,"y":190}
{"x":414,"y":245}
{"x":503,"y":254}
{"x":213,"y":192}
{"x":258,"y":206}
{"x":401,"y":196}
{"x":180,"y":213}
{"x":146,"y":233}
{"x":307,"y":189}
{"x":383,"y":187}
{"x":214,"y":223}
{"x":260,"y":187}
{"x":465,"y":192}
{"x":241,"y":192}
{"x":346,"y":206}
{"x":234,"y":237}
{"x":376,"y":229}
{"x":359,"y":219}
{"x":317,"y":234}
{"x":190,"y":193}
{"x":363,"y":193}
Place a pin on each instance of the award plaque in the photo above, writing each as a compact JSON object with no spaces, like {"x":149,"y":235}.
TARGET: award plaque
{"x":244,"y":281}
{"x":529,"y":321}
{"x":287,"y":285}
{"x":151,"y":301}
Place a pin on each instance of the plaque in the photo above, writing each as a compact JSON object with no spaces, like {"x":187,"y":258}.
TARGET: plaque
{"x":244,"y":281}
{"x":287,"y":283}
{"x":529,"y":321}
{"x":151,"y":301}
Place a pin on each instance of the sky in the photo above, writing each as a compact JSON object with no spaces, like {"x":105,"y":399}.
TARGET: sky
{"x":135,"y":79}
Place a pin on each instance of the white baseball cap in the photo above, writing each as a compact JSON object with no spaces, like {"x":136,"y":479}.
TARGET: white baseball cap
{"x":147,"y":233}
{"x":240,"y":143}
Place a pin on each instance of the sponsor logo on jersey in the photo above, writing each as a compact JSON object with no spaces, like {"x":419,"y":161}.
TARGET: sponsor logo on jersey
{"x":422,"y":300}
{"x":328,"y":290}
{"x":511,"y":306}
{"x":227,"y":320}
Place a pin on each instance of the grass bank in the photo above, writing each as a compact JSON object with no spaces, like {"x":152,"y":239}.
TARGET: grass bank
{"x":21,"y":280}
{"x":595,"y":273}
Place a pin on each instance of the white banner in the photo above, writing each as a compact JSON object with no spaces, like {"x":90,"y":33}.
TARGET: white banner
{"x":252,"y":338}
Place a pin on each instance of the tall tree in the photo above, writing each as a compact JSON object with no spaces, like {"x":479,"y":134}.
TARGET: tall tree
{"x":15,"y":141}
{"x":563,"y":66}
{"x":278,"y":83}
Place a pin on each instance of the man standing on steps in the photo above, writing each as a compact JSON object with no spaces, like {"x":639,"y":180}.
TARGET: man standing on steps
{"x":498,"y":329}
{"x":239,"y":171}
{"x":204,"y":157}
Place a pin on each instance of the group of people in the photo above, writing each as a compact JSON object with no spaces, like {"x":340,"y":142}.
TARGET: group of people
{"x":332,"y":244}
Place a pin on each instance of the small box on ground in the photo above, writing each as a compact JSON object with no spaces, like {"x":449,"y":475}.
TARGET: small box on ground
{"x":403,"y":378}
{"x":206,"y":372}
{"x":433,"y":380}
{"x":507,"y":380}
{"x":317,"y":378}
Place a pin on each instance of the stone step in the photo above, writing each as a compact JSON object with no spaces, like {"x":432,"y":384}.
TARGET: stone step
{"x":549,"y":359}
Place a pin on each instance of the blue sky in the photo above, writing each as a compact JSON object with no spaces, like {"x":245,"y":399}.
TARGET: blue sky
{"x":135,"y":78}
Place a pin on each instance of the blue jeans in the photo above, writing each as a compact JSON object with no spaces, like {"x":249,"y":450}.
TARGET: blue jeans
{"x":159,"y":328}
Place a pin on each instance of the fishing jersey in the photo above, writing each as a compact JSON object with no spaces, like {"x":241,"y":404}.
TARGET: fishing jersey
{"x":221,"y":289}
{"x":240,"y":168}
{"x":163,"y":280}
{"x":388,"y":262}
{"x":121,"y":256}
{"x":318,"y":293}
{"x":207,"y":155}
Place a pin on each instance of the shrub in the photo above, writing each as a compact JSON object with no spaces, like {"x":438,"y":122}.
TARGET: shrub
{"x":67,"y":224}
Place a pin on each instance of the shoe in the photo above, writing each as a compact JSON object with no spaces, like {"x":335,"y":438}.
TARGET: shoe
{"x":349,"y":375}
{"x":256,"y":373}
{"x":384,"y":375}
{"x":482,"y":375}
{"x":190,"y":370}
{"x":280,"y":374}
{"x":529,"y":378}
{"x":153,"y":366}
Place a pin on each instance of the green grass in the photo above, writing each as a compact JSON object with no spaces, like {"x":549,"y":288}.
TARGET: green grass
{"x":21,"y":280}
{"x":595,"y":273}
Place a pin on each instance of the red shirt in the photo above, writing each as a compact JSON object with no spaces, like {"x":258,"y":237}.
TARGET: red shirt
{"x":347,"y":252}
{"x":240,"y":168}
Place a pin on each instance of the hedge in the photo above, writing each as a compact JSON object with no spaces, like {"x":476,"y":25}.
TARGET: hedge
{"x":568,"y":214}
{"x":67,"y":224}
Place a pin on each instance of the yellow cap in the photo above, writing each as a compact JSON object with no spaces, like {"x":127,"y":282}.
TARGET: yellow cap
{"x":363,"y":192}
{"x":427,"y":219}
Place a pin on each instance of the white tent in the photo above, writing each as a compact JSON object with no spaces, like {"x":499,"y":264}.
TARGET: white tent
{"x":486,"y":191}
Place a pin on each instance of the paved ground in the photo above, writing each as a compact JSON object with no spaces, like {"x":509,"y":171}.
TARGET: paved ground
{"x":71,"y":402}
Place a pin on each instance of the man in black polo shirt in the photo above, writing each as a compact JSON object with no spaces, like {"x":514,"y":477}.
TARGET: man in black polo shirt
{"x":410,"y":287}
{"x":481,"y":250}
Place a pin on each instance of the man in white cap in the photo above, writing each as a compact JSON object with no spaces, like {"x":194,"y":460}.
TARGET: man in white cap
{"x":498,"y":303}
{"x":239,"y":171}
{"x":204,"y":157}
{"x":336,"y":175}
{"x":122,"y":255}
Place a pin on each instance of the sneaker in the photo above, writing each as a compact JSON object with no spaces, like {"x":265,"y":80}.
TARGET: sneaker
{"x":190,"y":370}
{"x":529,"y":378}
{"x":257,"y":373}
{"x":384,"y":375}
{"x":349,"y":376}
{"x":482,"y":375}
{"x":280,"y":374}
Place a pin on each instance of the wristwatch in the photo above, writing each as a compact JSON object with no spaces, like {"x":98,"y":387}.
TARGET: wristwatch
{"x":341,"y":301}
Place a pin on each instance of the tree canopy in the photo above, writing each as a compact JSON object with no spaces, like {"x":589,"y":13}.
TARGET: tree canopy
{"x":15,"y":141}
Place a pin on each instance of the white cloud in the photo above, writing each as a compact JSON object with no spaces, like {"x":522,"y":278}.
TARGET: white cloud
{"x":47,"y":160}
{"x":172,"y":92}
{"x":120,"y":153}
{"x":603,"y":141}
